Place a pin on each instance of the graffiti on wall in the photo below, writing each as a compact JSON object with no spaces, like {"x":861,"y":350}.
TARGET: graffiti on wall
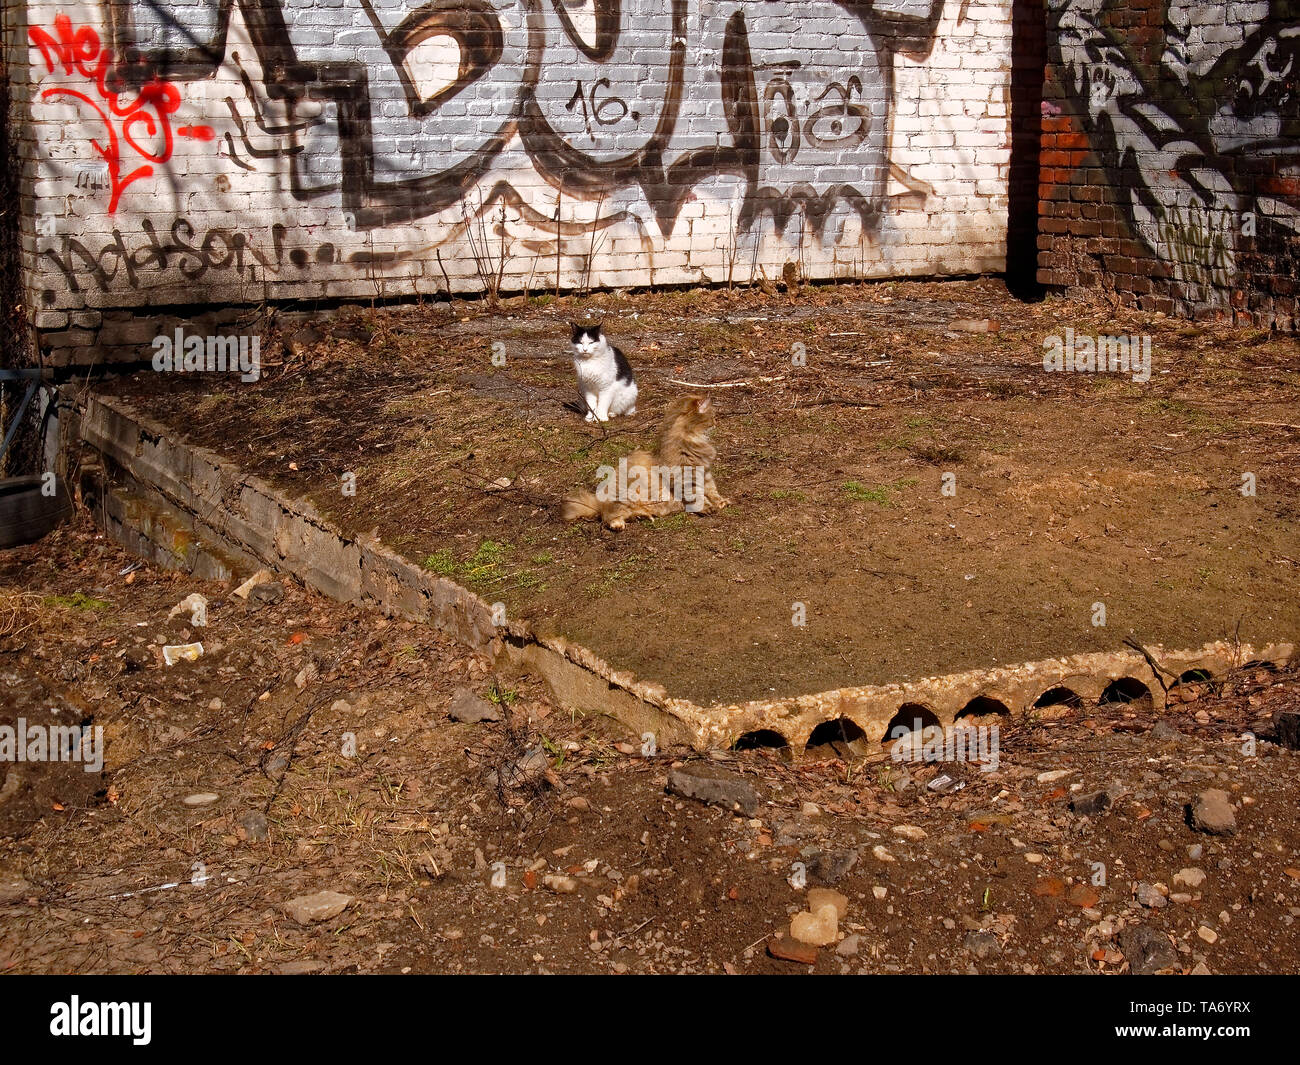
{"x":1184,"y":143}
{"x":569,"y":117}
{"x":141,"y":126}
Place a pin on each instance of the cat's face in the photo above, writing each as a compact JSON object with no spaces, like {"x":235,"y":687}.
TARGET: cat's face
{"x":692,"y":413}
{"x":586,"y":339}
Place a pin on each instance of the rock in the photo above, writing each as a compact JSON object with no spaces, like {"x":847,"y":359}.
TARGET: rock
{"x":1053,"y":775}
{"x":880,"y":892}
{"x":1208,"y":934}
{"x":1146,"y":950}
{"x":1033,"y":858}
{"x":1192,"y":878}
{"x":831,"y":867}
{"x":471,"y":709}
{"x":253,"y":822}
{"x":820,"y":896}
{"x":267,"y":594}
{"x":707,"y":784}
{"x":817,"y":929}
{"x":881,"y":854}
{"x":1091,"y":804}
{"x":1201,"y":969}
{"x":201,"y":798}
{"x":528,"y":767}
{"x":1083,"y":896}
{"x":983,"y":944}
{"x":1211,"y":812}
{"x":579,"y":803}
{"x":260,"y":577}
{"x":14,"y":889}
{"x":810,"y":809}
{"x":910,"y":832}
{"x":1195,"y":851}
{"x":323,"y":905}
{"x":1149,"y":897}
{"x":849,"y":946}
{"x":1163,"y":732}
{"x":561,"y":885}
{"x":787,"y":949}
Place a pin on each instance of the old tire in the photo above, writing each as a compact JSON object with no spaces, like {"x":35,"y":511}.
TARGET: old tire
{"x":26,"y":514}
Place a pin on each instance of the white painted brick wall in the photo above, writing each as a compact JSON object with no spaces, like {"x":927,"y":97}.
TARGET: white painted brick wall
{"x":302,"y":189}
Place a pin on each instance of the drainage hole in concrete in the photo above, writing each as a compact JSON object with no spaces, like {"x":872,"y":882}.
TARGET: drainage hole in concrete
{"x":840,"y":738}
{"x":983,"y":710}
{"x":1125,"y":690}
{"x":911,"y":717}
{"x":1059,"y":696}
{"x":763,"y":739}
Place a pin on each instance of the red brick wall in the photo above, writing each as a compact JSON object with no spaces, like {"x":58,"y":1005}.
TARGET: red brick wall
{"x":1170,"y":160}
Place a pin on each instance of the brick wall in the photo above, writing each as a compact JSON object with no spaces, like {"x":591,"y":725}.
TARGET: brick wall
{"x":218,"y":152}
{"x":1170,"y":165}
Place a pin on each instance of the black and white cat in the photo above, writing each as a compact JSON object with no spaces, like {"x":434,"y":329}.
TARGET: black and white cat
{"x":605,"y":378}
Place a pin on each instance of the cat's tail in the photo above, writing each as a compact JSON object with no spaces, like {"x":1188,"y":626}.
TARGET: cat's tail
{"x":584,"y":506}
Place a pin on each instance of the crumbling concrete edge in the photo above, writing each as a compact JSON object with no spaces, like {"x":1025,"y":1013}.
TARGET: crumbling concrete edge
{"x":290,"y":536}
{"x":250,"y":518}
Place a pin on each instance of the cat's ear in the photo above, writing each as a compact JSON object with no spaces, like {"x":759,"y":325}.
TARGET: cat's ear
{"x":703,"y":404}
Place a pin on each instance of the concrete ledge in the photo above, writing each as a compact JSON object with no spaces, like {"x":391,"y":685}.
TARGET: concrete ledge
{"x":165,"y":496}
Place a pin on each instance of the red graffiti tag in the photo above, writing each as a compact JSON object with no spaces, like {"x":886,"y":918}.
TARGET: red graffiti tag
{"x":147,"y":116}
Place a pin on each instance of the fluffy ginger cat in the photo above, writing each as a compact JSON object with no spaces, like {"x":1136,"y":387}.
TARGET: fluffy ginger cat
{"x":652,"y":486}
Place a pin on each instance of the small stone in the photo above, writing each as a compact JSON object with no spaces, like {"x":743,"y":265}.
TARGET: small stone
{"x":216,"y":704}
{"x":1195,"y":851}
{"x":253,"y":822}
{"x":849,"y":946}
{"x":1033,"y":859}
{"x":1201,"y":969}
{"x":881,"y":854}
{"x":471,"y":709}
{"x":910,"y":832}
{"x":201,"y":798}
{"x":832,"y":866}
{"x":1208,"y":934}
{"x":579,"y":803}
{"x":266,"y":594}
{"x":1211,"y":812}
{"x":1083,"y":896}
{"x":323,"y":905}
{"x":561,"y":885}
{"x":820,"y":896}
{"x":1192,"y":878}
{"x":787,"y":949}
{"x":1180,"y":897}
{"x":983,"y":944}
{"x":880,"y":891}
{"x":1053,"y":775}
{"x":817,"y":929}
{"x":1091,"y":804}
{"x":1146,"y":950}
{"x":1149,"y":897}
{"x":810,"y":809}
{"x":705,"y":783}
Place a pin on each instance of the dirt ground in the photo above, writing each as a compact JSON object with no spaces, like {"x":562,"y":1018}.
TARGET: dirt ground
{"x":1068,"y":490}
{"x":601,"y":869}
